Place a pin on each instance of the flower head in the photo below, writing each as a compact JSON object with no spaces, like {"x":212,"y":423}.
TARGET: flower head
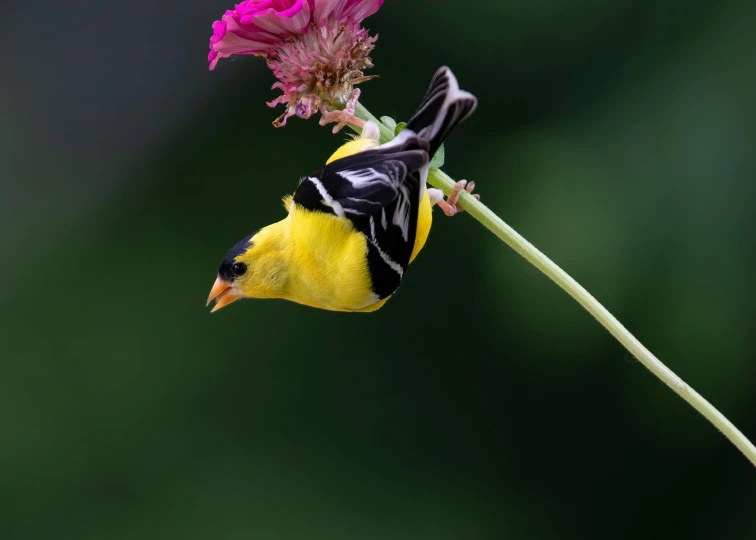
{"x":317,"y":49}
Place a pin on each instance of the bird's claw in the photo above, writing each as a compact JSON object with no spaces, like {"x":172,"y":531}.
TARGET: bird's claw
{"x":342,"y":118}
{"x":449,"y":206}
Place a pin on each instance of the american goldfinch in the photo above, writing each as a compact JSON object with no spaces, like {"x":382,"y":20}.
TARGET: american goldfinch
{"x":354,"y":226}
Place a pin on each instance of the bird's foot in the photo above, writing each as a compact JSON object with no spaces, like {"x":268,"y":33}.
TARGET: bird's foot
{"x":450,"y":206}
{"x":344,"y":117}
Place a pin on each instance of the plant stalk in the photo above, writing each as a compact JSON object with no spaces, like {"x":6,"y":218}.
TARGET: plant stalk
{"x":478,"y":211}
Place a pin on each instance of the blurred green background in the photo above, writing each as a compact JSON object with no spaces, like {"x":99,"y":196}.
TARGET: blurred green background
{"x":481,"y":402}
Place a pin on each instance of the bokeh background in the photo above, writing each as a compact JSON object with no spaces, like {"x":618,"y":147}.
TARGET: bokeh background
{"x":481,"y":402}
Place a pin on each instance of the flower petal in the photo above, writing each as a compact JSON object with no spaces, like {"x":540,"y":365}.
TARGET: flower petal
{"x":233,"y":44}
{"x":324,"y":9}
{"x":250,"y":7}
{"x":356,"y":10}
{"x":290,"y":21}
{"x":230,"y":37}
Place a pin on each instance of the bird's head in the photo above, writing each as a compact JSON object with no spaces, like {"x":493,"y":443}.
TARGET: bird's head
{"x":233,"y":274}
{"x":254,"y":268}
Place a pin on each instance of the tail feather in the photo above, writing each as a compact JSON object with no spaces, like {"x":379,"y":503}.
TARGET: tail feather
{"x":443,"y":107}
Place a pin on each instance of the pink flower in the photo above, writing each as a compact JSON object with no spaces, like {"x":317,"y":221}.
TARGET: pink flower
{"x":316,"y":48}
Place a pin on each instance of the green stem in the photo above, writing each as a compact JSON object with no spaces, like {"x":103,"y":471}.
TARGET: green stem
{"x":363,"y":114}
{"x":513,"y":239}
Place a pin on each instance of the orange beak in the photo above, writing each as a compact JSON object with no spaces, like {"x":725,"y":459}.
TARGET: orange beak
{"x":222,"y":294}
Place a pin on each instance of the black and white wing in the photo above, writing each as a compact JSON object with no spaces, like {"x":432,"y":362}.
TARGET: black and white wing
{"x":379,"y":191}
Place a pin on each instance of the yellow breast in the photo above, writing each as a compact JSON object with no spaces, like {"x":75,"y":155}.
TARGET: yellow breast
{"x":328,"y":258}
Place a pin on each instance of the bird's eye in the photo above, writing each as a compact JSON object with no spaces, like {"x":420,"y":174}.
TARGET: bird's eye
{"x":238,"y":269}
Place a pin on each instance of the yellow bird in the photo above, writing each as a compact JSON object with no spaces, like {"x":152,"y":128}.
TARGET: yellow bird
{"x":354,"y":226}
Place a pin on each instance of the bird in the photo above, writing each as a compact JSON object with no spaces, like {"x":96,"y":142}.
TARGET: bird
{"x":354,"y":226}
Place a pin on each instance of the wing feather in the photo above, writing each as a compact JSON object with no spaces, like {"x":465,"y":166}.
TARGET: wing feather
{"x":377,"y":187}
